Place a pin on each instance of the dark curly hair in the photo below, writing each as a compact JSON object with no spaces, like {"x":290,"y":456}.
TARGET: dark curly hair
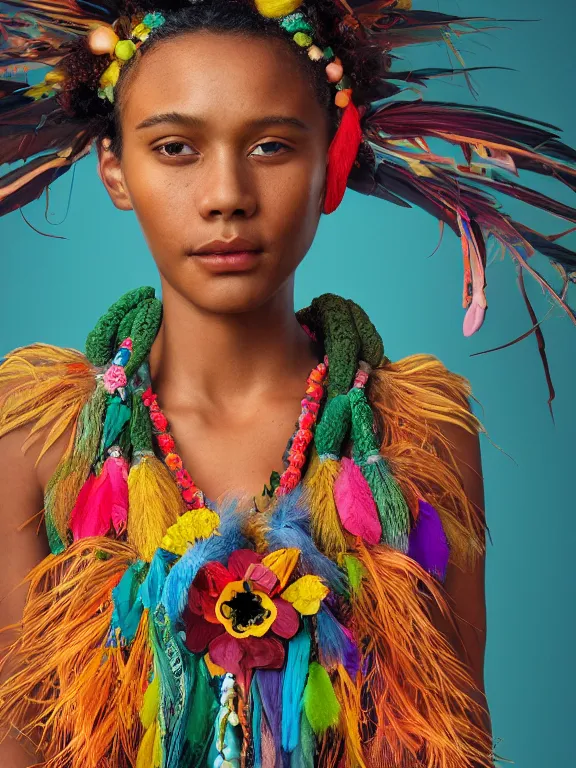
{"x":80,"y":98}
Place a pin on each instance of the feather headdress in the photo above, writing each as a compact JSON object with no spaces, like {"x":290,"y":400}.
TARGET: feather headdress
{"x":41,"y":126}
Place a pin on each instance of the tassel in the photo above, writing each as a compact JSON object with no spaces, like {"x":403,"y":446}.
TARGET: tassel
{"x":427,"y":542}
{"x":293,"y":689}
{"x":103,"y":501}
{"x":390,"y":502}
{"x":320,"y":703}
{"x":355,"y":503}
{"x":155,"y":503}
{"x":325,"y":522}
{"x":341,"y":156}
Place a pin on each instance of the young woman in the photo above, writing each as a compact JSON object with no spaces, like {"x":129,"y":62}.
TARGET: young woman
{"x":176,"y":614}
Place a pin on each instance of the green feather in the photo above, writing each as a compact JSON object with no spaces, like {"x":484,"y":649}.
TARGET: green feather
{"x":355,"y":571}
{"x":117,"y":415}
{"x":321,"y":706}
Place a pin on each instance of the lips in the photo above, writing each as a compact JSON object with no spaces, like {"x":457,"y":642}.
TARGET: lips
{"x":235,"y":255}
{"x":225,"y":247}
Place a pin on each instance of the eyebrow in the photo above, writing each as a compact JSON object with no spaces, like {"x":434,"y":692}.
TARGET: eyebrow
{"x":197,"y":122}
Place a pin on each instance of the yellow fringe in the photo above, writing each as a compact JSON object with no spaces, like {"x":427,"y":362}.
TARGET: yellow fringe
{"x":421,"y":690}
{"x":412,"y":398}
{"x":324,"y":519}
{"x":155,"y":503}
{"x":42,"y":385}
{"x":83,"y":697}
{"x":351,"y":718}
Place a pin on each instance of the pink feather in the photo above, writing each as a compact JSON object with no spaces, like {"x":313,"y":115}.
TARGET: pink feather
{"x":102,"y":501}
{"x":355,"y":503}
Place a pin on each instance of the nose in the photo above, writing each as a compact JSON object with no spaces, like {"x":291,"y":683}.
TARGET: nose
{"x":226,"y":189}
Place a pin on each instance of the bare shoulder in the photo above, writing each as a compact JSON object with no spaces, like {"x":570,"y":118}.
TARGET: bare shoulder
{"x":42,"y":390}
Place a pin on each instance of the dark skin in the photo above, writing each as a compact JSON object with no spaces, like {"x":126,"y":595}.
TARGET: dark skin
{"x":247,"y":158}
{"x":230,"y":361}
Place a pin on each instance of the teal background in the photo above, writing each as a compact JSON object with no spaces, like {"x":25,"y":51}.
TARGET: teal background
{"x":380,"y":255}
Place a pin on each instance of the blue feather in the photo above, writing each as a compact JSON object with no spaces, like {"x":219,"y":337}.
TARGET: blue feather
{"x":183,"y":573}
{"x":293,"y":687}
{"x":334,"y":645}
{"x":256,"y":724}
{"x":270,"y":688}
{"x":289,"y":526}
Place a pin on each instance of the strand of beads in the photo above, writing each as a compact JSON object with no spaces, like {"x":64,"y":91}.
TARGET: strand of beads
{"x":192,"y":495}
{"x":304,"y":434}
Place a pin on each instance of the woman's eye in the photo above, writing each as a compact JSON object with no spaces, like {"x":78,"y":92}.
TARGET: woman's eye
{"x":269,"y":148}
{"x":174,"y":149}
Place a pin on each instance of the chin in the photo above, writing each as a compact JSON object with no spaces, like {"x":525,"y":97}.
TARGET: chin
{"x":231,"y":294}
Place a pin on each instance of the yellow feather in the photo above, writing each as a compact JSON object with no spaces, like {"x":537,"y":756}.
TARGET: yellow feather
{"x":155,"y":504}
{"x":325,"y":522}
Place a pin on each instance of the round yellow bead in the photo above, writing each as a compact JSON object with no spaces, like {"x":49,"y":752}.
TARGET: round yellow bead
{"x":302,"y":39}
{"x":124,"y":50}
{"x":275,"y":9}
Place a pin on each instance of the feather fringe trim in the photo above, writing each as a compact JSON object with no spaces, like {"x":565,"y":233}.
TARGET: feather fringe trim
{"x":43,"y":385}
{"x":75,"y":698}
{"x":413,"y":400}
{"x":422,"y":695}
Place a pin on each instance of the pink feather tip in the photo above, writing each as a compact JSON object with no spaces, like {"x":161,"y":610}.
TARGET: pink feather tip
{"x":355,"y":503}
{"x":102,"y":501}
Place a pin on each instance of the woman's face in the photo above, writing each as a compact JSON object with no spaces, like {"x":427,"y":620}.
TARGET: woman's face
{"x":223,"y":138}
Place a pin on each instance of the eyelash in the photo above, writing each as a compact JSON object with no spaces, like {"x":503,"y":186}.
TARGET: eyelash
{"x":182,"y":144}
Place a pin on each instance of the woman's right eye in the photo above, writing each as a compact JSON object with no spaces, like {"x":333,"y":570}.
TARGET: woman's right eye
{"x":172,"y":149}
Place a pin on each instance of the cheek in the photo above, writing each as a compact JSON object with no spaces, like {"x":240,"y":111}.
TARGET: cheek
{"x":291,"y":204}
{"x":160,"y":200}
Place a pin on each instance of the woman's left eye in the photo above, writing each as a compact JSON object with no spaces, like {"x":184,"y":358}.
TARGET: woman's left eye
{"x":269,"y":148}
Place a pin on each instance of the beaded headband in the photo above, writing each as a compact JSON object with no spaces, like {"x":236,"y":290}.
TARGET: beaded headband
{"x":103,"y":40}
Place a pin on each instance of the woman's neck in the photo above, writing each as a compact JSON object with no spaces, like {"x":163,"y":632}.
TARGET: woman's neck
{"x":227,"y":358}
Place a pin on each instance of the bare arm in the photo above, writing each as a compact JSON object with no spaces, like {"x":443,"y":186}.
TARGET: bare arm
{"x":21,"y":498}
{"x":465,"y":590}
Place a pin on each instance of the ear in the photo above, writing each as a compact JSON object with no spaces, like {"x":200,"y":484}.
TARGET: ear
{"x":110,"y":172}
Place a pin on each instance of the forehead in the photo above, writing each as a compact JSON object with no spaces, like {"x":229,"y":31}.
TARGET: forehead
{"x":220,"y":77}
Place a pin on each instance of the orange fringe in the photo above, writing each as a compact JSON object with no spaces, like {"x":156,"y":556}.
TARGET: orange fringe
{"x":412,"y":398}
{"x":425,"y":714}
{"x":84,"y":698}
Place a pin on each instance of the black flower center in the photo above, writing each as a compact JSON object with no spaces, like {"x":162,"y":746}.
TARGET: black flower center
{"x":245,"y":610}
